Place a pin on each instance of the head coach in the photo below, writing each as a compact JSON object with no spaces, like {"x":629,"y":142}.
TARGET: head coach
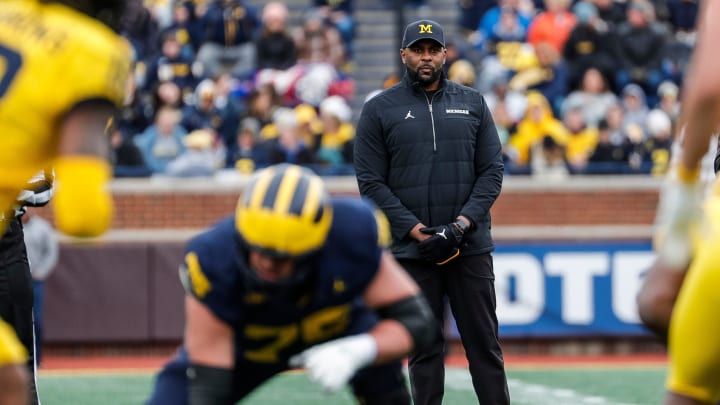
{"x":427,"y":153}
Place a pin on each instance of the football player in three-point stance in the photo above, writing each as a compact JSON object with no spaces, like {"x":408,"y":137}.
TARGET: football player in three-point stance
{"x":295,"y":279}
{"x":688,"y":237}
{"x":62,"y":72}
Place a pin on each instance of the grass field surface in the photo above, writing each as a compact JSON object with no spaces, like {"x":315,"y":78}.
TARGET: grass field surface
{"x":536,"y":385}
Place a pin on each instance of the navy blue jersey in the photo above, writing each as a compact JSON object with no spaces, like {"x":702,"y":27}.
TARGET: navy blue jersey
{"x":270,"y":328}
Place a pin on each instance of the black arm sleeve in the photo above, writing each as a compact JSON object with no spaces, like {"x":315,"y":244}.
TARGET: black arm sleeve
{"x":415,"y":315}
{"x":209,"y":385}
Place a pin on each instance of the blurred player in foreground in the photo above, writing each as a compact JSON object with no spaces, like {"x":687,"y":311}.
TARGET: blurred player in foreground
{"x":295,"y":279}
{"x":13,"y":374}
{"x":62,"y":71}
{"x":687,"y":238}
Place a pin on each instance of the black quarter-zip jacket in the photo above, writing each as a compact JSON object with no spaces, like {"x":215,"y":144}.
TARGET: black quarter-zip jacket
{"x":429,"y":157}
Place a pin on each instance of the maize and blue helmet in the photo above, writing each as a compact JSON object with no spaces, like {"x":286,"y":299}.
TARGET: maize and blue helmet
{"x":284,"y":212}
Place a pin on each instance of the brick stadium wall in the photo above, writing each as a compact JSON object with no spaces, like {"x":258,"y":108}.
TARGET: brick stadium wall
{"x":523,"y":202}
{"x":125,"y":289}
{"x":518,"y":207}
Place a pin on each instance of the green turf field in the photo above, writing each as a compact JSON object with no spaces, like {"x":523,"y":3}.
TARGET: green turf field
{"x":537,"y":386}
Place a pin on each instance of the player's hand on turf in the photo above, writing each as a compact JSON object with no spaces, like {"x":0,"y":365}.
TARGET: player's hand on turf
{"x":334,"y":363}
{"x":442,"y":245}
{"x":679,"y":216}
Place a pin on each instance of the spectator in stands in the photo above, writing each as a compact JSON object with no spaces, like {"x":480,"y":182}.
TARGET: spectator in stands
{"x":188,"y":28}
{"x":503,"y":124}
{"x":248,"y":153}
{"x":339,"y":14}
{"x":676,"y":58}
{"x":552,"y":25}
{"x":168,"y":94}
{"x":125,"y":156}
{"x":470,"y":13}
{"x":508,"y":30}
{"x":199,"y":159}
{"x":581,"y":140}
{"x":231,"y":27}
{"x":514,"y":102}
{"x":608,"y":157}
{"x":615,"y":118}
{"x":537,"y":123}
{"x":229,"y":108}
{"x":634,"y":105}
{"x":275,"y":48}
{"x":261,"y":105}
{"x":161,"y":12}
{"x":43,"y":249}
{"x":548,"y":160}
{"x":590,"y":45}
{"x":162,"y":142}
{"x":497,"y":19}
{"x":335,"y":149}
{"x":669,"y":94}
{"x":310,"y":126}
{"x":137,"y":112}
{"x":641,"y":43}
{"x":141,"y":29}
{"x":462,"y":72}
{"x":683,"y":16}
{"x":524,"y":13}
{"x":171,"y":65}
{"x":288,"y":147}
{"x":659,"y":144}
{"x":202,"y":112}
{"x":549,"y":76}
{"x":611,"y":11}
{"x":637,"y":153}
{"x":593,"y":98}
{"x":317,"y":42}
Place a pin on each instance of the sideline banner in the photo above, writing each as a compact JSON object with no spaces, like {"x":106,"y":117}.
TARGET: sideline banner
{"x":558,"y":289}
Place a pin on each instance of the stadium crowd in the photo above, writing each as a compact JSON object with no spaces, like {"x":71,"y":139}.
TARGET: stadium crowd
{"x":587,"y":86}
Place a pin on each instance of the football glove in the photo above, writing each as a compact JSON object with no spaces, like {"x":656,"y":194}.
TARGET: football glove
{"x":442,"y":246}
{"x":679,"y":214}
{"x":334,"y":363}
{"x":83,"y":206}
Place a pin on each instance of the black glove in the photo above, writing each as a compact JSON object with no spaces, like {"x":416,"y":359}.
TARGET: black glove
{"x":442,"y":246}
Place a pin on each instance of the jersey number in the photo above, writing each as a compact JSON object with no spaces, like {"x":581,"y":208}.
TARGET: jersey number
{"x":317,"y":327}
{"x":10,"y":62}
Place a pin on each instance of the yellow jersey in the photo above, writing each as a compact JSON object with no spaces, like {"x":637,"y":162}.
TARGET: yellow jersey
{"x":52,"y":58}
{"x":11,"y":350}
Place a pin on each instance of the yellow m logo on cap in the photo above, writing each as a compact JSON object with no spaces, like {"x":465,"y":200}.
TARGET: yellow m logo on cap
{"x":426,"y":29}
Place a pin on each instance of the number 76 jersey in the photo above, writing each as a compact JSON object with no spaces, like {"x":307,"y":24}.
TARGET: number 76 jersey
{"x":52,"y":58}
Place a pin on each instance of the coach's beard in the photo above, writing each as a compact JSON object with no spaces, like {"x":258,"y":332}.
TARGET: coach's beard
{"x":424,"y":81}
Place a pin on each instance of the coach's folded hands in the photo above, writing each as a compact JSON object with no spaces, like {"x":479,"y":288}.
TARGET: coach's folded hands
{"x":442,"y":246}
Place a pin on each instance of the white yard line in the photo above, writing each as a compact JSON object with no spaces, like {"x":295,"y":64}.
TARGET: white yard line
{"x":530,"y":393}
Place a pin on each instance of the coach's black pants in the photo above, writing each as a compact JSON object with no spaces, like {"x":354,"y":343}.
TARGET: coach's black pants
{"x":16,"y":293}
{"x":469,"y":284}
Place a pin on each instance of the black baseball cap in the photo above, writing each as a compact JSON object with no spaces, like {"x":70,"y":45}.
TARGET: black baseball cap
{"x":423,"y":29}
